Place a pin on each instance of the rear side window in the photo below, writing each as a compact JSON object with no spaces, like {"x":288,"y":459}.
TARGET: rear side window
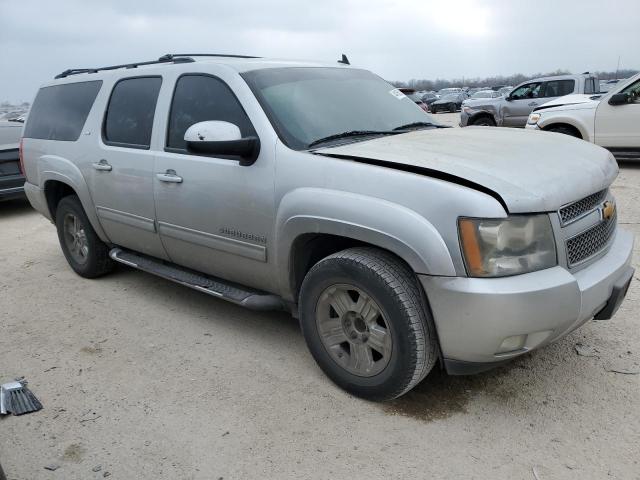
{"x":198,"y":98}
{"x":60,"y":111}
{"x":559,"y":88}
{"x":128,"y":121}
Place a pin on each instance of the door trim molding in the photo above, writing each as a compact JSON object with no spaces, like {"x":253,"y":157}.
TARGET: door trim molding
{"x":215,"y":242}
{"x":129,"y":219}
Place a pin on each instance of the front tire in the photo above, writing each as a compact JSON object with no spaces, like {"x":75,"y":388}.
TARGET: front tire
{"x":453,"y":108}
{"x":366,"y":323}
{"x":87,"y":255}
{"x":483,"y":121}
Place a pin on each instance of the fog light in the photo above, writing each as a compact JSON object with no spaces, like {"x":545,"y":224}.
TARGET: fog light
{"x":511,"y":344}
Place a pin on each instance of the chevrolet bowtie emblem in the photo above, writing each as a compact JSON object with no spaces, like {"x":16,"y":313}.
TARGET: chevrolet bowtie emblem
{"x":608,"y":210}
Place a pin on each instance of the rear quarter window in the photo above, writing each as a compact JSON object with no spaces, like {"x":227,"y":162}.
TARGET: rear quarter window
{"x":59,"y":112}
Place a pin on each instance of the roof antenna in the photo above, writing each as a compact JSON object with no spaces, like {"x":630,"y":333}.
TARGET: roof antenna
{"x":344,"y":60}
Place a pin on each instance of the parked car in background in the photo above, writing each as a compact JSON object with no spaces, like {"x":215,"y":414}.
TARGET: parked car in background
{"x":415,"y":97}
{"x":514,"y":109}
{"x":399,"y":244}
{"x":504,"y":90}
{"x":11,"y":178}
{"x":611,"y":120}
{"x":429,"y":97}
{"x":446,"y":91}
{"x":451,"y":102}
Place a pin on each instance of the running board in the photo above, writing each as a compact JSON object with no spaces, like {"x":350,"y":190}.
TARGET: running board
{"x":232,"y":292}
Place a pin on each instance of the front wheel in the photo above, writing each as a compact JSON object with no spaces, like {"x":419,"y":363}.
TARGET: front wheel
{"x":565,"y":130}
{"x":453,"y":108}
{"x":87,"y":255}
{"x":365,"y":321}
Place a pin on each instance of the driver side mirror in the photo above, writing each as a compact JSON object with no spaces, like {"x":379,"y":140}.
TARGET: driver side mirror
{"x":619,"y":99}
{"x":508,"y":98}
{"x":215,"y":137}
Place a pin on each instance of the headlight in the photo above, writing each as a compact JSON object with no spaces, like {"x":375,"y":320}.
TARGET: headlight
{"x":533,"y":118}
{"x":498,"y":247}
{"x":467,"y":109}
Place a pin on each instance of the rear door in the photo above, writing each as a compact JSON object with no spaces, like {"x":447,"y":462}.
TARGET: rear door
{"x":522,"y":101}
{"x":618,"y":126}
{"x":119,"y":172}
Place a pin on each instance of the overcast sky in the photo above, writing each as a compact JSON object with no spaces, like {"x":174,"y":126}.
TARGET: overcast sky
{"x":397,"y":39}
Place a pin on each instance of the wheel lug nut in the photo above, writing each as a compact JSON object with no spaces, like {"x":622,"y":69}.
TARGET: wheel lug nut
{"x":354,"y":335}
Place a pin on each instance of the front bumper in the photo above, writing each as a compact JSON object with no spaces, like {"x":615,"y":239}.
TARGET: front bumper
{"x":476,"y":317}
{"x":464,"y":118}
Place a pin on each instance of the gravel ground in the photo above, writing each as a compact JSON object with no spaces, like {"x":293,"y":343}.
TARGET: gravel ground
{"x":141,"y":378}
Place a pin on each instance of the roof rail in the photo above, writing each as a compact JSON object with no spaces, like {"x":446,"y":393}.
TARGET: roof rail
{"x":168,"y":58}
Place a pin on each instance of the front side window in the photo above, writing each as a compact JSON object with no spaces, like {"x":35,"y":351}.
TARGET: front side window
{"x":559,"y":88}
{"x":307,"y":104}
{"x":59,"y":112}
{"x":198,"y":98}
{"x":634,"y":92}
{"x":530,"y":90}
{"x":128,"y":120}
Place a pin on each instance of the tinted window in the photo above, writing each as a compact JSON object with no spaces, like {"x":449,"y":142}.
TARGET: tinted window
{"x":59,"y":111}
{"x":559,"y":88}
{"x":129,"y":117}
{"x":633,"y":91}
{"x":198,"y":98}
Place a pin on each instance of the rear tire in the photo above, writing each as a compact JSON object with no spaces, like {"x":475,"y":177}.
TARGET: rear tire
{"x":87,"y":255}
{"x":564,"y":130}
{"x":365,"y":320}
{"x":453,"y":108}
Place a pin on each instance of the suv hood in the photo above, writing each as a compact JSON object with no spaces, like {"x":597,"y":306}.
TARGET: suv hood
{"x":574,"y":101}
{"x":527,"y":171}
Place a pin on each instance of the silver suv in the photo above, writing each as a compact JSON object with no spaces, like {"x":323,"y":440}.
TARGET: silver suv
{"x":323,"y":190}
{"x":513,"y":109}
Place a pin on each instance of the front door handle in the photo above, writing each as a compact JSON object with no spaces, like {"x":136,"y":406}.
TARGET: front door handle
{"x":169,"y":176}
{"x":103,"y":166}
{"x":533,"y":104}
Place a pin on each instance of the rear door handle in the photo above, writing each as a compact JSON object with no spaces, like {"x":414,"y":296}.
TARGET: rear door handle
{"x":103,"y":166}
{"x":169,"y":176}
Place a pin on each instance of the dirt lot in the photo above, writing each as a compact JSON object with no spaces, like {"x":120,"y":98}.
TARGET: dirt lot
{"x":141,"y":378}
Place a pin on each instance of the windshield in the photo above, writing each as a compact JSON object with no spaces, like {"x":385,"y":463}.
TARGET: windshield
{"x":308,"y":104}
{"x":451,"y":96}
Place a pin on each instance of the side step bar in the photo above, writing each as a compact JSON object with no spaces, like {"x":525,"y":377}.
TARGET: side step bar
{"x":232,"y":292}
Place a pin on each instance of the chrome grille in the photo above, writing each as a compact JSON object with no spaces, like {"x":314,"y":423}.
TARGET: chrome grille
{"x":591,"y":241}
{"x":575,"y":210}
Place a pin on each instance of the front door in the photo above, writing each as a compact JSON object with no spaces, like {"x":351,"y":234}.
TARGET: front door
{"x":522,"y":101}
{"x":618,"y":126}
{"x":120,"y":172}
{"x":214,"y":215}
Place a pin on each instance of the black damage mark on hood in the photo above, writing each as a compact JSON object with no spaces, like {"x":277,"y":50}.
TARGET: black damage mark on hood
{"x":427,"y":172}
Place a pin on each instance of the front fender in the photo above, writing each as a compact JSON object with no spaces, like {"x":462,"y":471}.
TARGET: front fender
{"x":545,"y":123}
{"x":55,"y":168}
{"x":372,"y":220}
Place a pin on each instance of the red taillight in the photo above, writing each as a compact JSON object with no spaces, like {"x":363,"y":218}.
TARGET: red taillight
{"x":21,"y":155}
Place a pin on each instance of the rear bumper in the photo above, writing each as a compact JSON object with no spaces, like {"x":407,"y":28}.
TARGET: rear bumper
{"x":37,"y":199}
{"x":483,"y":322}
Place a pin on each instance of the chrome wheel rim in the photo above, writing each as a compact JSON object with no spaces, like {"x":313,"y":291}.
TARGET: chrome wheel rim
{"x":75,"y":238}
{"x":353,"y":330}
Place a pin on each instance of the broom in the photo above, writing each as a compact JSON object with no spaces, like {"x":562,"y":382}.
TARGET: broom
{"x":17,"y":399}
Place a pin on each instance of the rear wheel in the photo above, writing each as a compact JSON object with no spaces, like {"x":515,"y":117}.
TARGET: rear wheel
{"x":365,"y":322}
{"x":564,"y":129}
{"x":453,"y":108}
{"x":87,"y":255}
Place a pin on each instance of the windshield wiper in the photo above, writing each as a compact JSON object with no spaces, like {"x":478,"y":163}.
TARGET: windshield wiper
{"x":353,"y":133}
{"x":415,"y":125}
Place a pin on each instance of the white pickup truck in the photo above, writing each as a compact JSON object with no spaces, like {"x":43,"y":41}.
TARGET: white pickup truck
{"x":611,"y":120}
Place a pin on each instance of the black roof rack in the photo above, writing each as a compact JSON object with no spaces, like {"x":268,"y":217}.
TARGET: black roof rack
{"x":168,"y":58}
